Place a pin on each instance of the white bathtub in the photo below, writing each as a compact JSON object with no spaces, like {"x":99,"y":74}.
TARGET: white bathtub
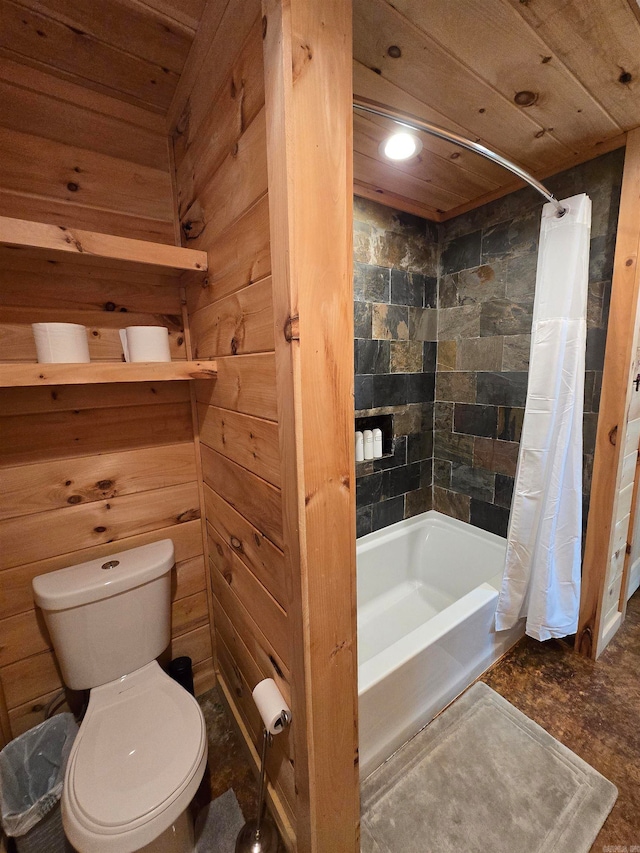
{"x":427,"y":593}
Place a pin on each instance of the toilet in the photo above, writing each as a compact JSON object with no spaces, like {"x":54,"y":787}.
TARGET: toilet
{"x":141,"y":750}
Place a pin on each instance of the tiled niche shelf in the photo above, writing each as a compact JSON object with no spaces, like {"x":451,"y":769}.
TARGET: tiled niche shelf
{"x":381,"y":422}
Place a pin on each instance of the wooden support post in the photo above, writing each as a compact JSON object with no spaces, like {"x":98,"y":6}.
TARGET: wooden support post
{"x":307,"y":56}
{"x":613,"y":402}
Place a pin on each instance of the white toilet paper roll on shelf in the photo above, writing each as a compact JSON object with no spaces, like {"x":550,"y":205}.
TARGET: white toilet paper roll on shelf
{"x":271,"y":705}
{"x":61,"y":343}
{"x":145,"y":343}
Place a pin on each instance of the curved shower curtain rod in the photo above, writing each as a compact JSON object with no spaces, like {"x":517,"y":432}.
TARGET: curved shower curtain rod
{"x":420,"y":125}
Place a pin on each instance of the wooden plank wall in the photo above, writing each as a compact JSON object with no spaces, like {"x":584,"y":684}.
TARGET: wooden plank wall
{"x":282,"y":574}
{"x":88,"y":470}
{"x":221,"y":179}
{"x":95,"y":162}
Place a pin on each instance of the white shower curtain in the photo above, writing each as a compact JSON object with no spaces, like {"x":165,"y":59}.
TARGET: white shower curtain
{"x":542,"y":570}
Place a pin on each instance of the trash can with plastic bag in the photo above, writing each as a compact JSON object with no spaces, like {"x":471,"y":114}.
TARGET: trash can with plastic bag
{"x":31,"y":778}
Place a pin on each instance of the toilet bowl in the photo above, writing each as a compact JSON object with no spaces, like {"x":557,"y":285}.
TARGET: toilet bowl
{"x":141,"y":750}
{"x":136,"y":762}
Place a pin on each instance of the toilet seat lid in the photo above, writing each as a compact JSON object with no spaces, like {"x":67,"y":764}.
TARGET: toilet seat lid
{"x":139,"y":745}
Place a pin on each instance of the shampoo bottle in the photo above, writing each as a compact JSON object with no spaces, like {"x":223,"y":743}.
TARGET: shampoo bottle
{"x":368,"y":444}
{"x":377,"y":443}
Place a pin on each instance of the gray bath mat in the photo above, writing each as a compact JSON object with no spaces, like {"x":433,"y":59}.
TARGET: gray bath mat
{"x":218,"y":825}
{"x":481,"y":777}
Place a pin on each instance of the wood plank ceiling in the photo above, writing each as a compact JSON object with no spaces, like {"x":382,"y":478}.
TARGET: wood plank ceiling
{"x":132,"y":50}
{"x":547,"y":83}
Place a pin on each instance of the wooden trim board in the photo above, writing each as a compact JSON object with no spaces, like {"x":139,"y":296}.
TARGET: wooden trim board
{"x":613,"y":402}
{"x":631,"y":534}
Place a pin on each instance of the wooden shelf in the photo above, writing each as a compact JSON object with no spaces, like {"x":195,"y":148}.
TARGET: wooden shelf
{"x":19,"y":375}
{"x":57,"y":242}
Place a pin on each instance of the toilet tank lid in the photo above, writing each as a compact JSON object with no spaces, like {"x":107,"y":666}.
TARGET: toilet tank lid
{"x":97,"y":579}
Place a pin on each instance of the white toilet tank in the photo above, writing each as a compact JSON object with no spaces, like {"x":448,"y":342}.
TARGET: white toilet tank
{"x":111,"y":616}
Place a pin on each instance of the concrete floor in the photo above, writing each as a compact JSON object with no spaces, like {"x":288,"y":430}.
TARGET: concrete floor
{"x":591,"y":707}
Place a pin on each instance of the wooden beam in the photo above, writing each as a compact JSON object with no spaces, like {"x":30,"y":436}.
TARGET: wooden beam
{"x":613,"y":402}
{"x":308,"y":87}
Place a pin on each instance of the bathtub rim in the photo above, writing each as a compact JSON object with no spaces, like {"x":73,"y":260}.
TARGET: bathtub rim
{"x":374,"y":670}
{"x":394,"y":530}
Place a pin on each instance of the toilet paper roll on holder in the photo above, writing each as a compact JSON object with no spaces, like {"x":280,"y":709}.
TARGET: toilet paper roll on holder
{"x":260,"y":835}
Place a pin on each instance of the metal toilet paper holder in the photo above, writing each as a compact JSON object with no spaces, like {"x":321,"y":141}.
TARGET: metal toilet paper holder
{"x":260,"y":835}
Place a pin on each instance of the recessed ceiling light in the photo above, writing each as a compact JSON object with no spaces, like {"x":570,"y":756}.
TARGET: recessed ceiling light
{"x":401,"y":146}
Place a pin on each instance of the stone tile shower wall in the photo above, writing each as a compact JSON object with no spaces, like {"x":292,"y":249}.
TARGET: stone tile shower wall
{"x":469,"y":284}
{"x":395,"y":292}
{"x":486,"y":289}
